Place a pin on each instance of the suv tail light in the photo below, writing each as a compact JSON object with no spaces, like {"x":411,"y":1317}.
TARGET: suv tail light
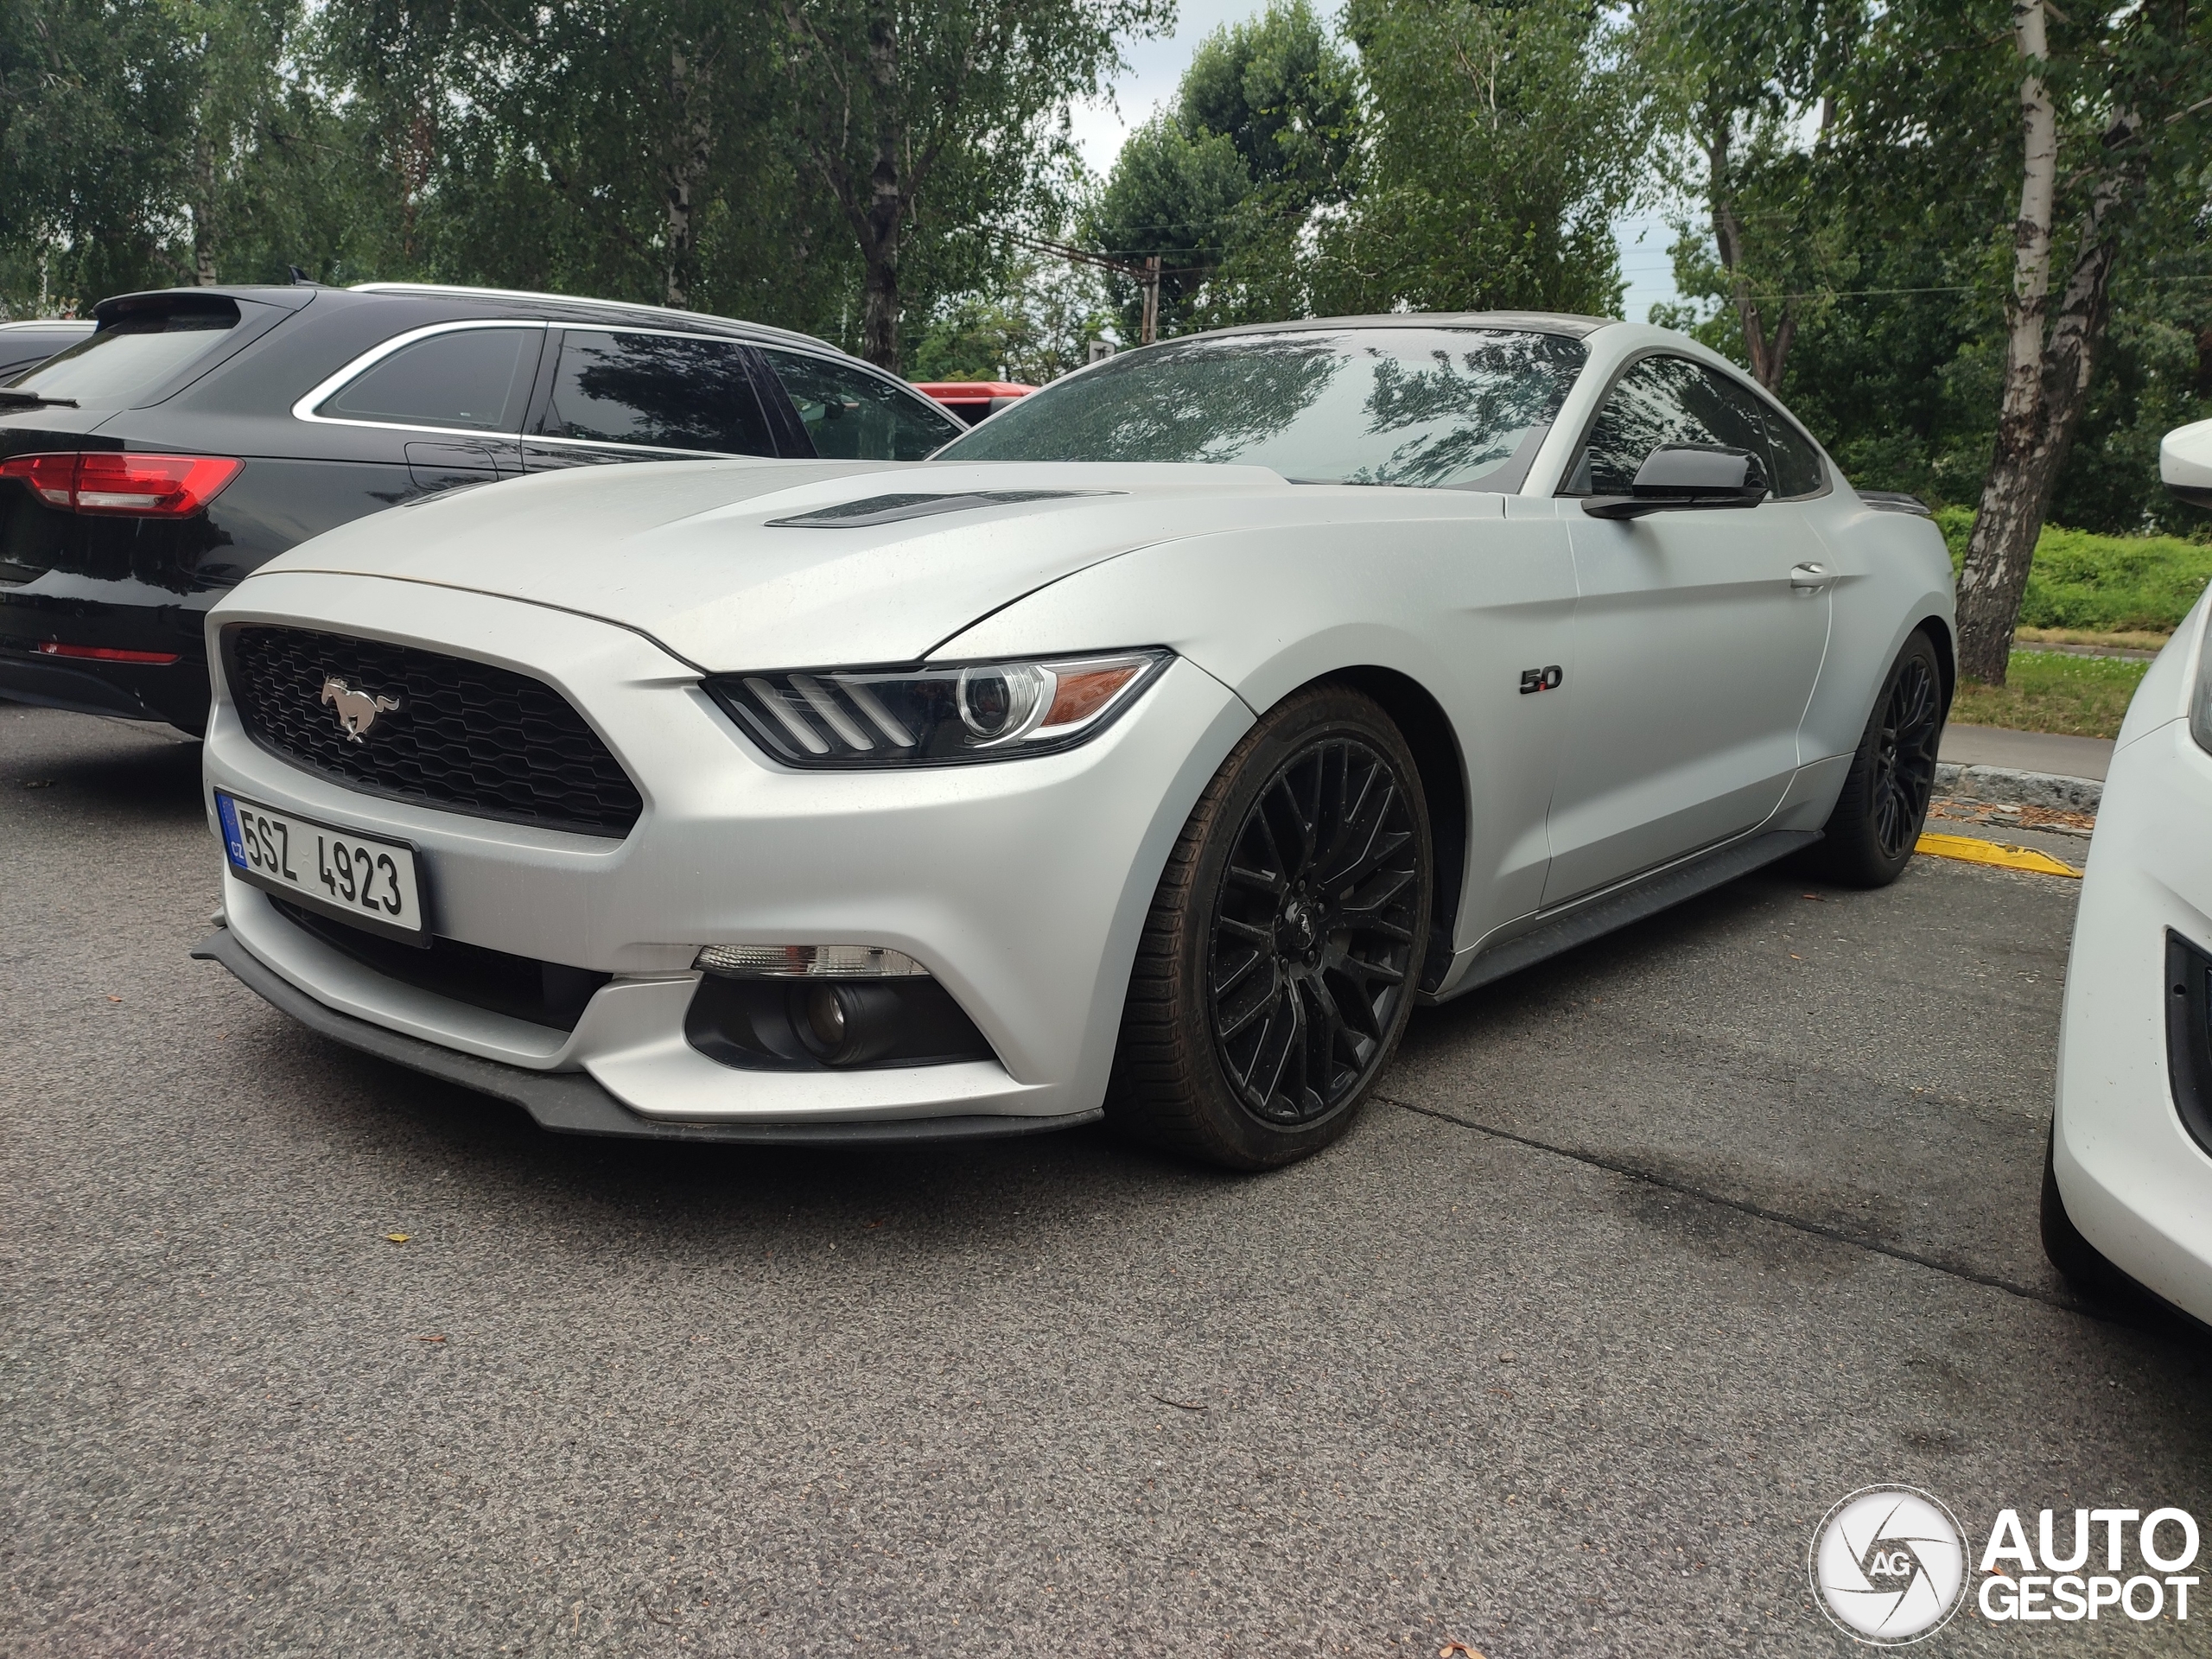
{"x":109,"y":481}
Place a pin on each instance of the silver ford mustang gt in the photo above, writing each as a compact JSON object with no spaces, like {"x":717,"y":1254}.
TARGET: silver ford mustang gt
{"x":1149,"y":751}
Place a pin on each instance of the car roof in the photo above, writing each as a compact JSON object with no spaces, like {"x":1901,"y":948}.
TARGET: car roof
{"x":1525,"y":323}
{"x":49,"y":324}
{"x":494,"y":302}
{"x":529,"y":302}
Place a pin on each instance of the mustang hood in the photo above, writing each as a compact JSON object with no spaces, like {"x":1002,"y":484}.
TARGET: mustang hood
{"x":685,"y":551}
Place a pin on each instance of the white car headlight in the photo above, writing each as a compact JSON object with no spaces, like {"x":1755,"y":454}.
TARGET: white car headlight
{"x":936,"y":716}
{"x":2200,"y":694}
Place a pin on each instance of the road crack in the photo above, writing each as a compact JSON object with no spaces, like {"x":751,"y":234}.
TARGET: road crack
{"x":1818,"y":1229}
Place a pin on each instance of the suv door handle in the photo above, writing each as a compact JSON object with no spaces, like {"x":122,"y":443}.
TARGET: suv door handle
{"x":1810,"y":576}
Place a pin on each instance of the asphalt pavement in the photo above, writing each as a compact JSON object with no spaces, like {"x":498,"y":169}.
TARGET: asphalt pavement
{"x":1645,"y":1259}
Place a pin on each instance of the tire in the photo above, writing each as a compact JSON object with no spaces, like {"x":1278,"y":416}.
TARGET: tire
{"x":1869,"y":836}
{"x":2081,"y":1264}
{"x":1270,"y":990}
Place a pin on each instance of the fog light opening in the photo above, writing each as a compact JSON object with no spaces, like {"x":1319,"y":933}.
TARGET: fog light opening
{"x":848,"y":1023}
{"x":825,"y":1017}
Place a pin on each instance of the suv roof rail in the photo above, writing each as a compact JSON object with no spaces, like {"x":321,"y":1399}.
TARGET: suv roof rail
{"x":669,"y":311}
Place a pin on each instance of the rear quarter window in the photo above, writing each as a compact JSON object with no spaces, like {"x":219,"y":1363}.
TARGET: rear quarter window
{"x":124,"y":364}
{"x":472,"y":379}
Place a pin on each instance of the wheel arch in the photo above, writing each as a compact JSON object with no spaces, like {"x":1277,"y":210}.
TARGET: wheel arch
{"x":1420,"y":720}
{"x":1939,"y":635}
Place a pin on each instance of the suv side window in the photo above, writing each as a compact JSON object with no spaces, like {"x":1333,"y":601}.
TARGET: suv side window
{"x":661,"y":391}
{"x":474,"y":379}
{"x":1797,"y":469}
{"x":1663,"y":400}
{"x":851,"y":415}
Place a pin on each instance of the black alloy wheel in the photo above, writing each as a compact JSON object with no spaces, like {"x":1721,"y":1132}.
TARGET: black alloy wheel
{"x":1904,"y":756}
{"x":1285,"y":943}
{"x":1314,"y":931}
{"x":1870,"y":836}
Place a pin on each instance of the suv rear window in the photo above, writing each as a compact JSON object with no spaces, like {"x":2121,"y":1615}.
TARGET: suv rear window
{"x":133,"y":356}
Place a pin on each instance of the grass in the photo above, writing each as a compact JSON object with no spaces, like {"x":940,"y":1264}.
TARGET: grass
{"x":2086,"y":583}
{"x":2046,"y":691}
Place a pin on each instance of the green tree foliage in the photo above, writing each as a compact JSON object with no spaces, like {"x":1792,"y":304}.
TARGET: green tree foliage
{"x":1732,"y":87}
{"x":1875,"y":171}
{"x":918,"y":117}
{"x":1174,"y":195}
{"x":1032,"y":325}
{"x":1503,"y":136}
{"x":154,"y":141}
{"x":827,"y":164}
{"x":1225,"y":186}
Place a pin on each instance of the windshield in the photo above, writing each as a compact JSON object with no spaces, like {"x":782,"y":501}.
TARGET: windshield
{"x":1441,"y":407}
{"x":123,"y":362}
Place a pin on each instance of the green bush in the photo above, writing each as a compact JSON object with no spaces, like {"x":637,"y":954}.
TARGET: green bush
{"x":2102,"y":582}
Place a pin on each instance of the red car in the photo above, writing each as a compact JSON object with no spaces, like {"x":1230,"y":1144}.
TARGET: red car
{"x":971,"y":400}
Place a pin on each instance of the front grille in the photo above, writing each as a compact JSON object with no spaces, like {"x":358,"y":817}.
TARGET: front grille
{"x":439,"y":730}
{"x":522,"y":987}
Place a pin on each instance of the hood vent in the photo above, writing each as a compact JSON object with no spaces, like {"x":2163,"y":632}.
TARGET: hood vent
{"x":891,"y":509}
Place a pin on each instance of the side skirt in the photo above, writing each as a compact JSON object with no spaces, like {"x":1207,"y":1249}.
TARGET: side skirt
{"x":1596,"y":917}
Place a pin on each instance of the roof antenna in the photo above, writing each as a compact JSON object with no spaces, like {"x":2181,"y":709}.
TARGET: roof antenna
{"x":300,"y":279}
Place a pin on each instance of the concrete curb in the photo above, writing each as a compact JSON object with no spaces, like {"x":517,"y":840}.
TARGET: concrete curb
{"x":2042,"y":789}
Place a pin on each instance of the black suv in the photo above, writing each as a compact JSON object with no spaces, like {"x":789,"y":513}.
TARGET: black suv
{"x":199,"y":432}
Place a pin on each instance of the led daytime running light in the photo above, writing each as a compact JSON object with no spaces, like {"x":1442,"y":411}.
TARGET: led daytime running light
{"x":808,"y":961}
{"x":850,"y":718}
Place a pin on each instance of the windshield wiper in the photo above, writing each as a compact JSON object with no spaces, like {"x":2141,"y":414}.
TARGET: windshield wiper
{"x":11,"y":399}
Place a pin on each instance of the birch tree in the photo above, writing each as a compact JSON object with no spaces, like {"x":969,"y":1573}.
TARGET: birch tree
{"x":2111,"y":94}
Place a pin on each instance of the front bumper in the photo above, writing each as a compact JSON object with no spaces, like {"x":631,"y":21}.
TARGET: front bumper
{"x":1021,"y":886}
{"x":2135,"y":1181}
{"x":570,"y":1103}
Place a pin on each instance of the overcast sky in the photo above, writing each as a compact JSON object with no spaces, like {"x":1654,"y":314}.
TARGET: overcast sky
{"x":1156,"y":66}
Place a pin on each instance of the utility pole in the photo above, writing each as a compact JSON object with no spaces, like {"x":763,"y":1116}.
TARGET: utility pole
{"x":1145,"y":276}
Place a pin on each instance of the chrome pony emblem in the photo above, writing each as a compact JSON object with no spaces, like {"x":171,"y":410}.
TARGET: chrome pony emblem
{"x":356,"y":710}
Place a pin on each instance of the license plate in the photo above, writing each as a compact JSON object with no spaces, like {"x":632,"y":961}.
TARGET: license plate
{"x":364,"y":880}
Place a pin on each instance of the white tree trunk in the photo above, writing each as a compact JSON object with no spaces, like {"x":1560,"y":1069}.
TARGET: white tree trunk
{"x":2023,"y":468}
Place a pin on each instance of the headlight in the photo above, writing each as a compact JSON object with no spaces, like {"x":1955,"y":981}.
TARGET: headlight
{"x":936,"y":716}
{"x":2200,"y":694}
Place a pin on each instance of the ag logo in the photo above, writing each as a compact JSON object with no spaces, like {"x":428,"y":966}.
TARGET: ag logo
{"x":356,"y":710}
{"x":1889,"y":1565}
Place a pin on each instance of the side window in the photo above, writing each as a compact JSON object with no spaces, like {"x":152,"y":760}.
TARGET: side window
{"x":1663,"y":400}
{"x":661,"y":391}
{"x":476,"y":379}
{"x":851,"y":415}
{"x":1797,"y":469}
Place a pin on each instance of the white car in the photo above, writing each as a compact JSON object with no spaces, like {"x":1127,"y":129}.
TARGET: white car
{"x":2128,"y":1188}
{"x":1153,"y":748}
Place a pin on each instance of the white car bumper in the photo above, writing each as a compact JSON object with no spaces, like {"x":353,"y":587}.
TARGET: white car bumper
{"x":2135,"y":1181}
{"x":1021,"y":887}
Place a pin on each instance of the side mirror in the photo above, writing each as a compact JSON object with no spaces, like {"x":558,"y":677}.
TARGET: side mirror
{"x":2185,"y":463}
{"x":1679,"y":477}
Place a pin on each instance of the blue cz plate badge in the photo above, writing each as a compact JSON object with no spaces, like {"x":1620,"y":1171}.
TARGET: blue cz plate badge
{"x":363,"y":880}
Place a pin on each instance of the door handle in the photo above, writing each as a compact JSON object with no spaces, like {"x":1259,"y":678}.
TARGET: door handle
{"x":1809,"y":576}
